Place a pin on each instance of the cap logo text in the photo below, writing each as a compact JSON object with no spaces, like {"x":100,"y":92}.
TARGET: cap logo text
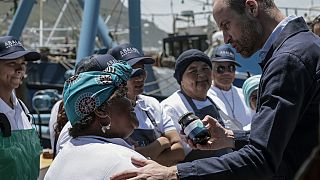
{"x":226,"y":53}
{"x":12,"y":43}
{"x":128,"y":50}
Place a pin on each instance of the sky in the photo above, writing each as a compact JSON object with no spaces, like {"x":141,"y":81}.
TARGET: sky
{"x":162,"y":10}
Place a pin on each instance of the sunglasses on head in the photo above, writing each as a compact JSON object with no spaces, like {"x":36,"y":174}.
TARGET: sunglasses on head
{"x":222,"y":69}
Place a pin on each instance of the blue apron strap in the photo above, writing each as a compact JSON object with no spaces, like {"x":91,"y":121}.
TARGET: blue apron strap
{"x":193,"y":106}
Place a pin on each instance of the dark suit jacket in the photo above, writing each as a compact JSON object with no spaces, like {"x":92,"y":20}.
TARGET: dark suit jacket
{"x":285,"y":129}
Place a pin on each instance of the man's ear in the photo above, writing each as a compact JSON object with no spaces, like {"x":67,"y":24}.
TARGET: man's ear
{"x":252,"y":7}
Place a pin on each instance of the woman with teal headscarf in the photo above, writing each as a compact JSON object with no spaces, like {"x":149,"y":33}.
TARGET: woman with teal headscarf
{"x":250,"y":90}
{"x":19,"y":143}
{"x":101,"y":117}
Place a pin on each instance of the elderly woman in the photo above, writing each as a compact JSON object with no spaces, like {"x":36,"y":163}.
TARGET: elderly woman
{"x":156,"y":137}
{"x":59,"y":125}
{"x":101,"y":117}
{"x":19,"y":143}
{"x":193,"y":72}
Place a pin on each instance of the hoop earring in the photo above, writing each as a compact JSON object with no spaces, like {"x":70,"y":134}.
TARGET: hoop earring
{"x":104,"y":129}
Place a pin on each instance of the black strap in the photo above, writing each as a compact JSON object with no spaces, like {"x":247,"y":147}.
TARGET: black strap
{"x":214,"y":103}
{"x":5,"y":125}
{"x":193,"y":106}
{"x":29,"y":116}
{"x":153,"y":121}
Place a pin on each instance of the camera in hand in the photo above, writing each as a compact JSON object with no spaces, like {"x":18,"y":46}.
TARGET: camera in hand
{"x":193,"y":127}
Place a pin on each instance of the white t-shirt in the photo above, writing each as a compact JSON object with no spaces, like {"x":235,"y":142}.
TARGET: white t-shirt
{"x":16,"y":116}
{"x":53,"y":120}
{"x":176,"y":105}
{"x":92,"y":157}
{"x":233,"y":104}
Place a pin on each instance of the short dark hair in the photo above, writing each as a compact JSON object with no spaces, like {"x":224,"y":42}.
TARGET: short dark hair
{"x":239,"y":5}
{"x":84,"y":124}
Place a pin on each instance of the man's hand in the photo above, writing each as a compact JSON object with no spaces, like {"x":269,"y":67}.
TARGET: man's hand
{"x":220,"y":137}
{"x":148,"y":169}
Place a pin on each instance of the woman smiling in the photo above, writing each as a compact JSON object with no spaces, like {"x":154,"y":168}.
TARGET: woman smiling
{"x":193,"y":72}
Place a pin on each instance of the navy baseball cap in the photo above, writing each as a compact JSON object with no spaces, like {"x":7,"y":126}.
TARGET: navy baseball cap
{"x":129,"y":54}
{"x":11,"y":48}
{"x":96,"y":62}
{"x":224,"y":53}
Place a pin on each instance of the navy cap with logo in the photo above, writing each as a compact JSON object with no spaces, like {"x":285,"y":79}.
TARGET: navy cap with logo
{"x":96,"y":62}
{"x":99,"y":62}
{"x":11,"y":48}
{"x":129,"y":53}
{"x":224,"y":53}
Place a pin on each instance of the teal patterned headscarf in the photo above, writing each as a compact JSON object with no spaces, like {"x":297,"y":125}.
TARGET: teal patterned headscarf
{"x":84,"y":92}
{"x":250,"y":85}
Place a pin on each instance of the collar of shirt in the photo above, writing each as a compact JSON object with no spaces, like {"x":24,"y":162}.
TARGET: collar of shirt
{"x":97,"y":139}
{"x":215,"y":88}
{"x":140,"y":103}
{"x":274,"y":35}
{"x":5,"y":108}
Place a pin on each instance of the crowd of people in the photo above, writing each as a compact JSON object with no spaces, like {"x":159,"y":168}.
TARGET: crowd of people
{"x":106,"y":128}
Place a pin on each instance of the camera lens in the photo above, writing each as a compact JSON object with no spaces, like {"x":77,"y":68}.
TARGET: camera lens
{"x":193,"y":127}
